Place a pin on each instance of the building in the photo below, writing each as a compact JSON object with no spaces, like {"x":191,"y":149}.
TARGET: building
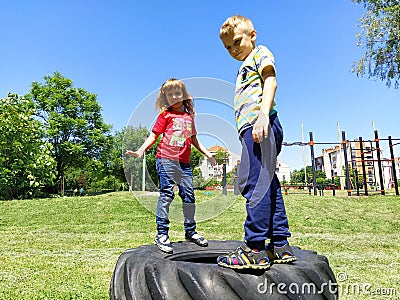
{"x":208,"y":171}
{"x":282,"y":170}
{"x":397,"y":167}
{"x":332,"y":162}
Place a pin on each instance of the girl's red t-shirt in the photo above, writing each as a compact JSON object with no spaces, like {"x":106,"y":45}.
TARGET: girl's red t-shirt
{"x":177,"y":129}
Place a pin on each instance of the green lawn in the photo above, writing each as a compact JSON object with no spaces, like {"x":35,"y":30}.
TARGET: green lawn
{"x":66,"y":248}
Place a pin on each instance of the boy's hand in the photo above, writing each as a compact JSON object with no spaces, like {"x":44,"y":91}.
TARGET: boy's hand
{"x":260,"y":128}
{"x":134,"y":153}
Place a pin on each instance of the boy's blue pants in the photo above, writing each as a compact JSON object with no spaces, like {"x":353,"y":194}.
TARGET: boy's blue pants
{"x":258,"y":183}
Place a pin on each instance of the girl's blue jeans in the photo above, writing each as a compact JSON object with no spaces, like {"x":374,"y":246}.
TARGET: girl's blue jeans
{"x":170,"y":173}
{"x":258,"y":183}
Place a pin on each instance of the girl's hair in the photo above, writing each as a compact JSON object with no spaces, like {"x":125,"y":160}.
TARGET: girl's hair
{"x":162,"y":103}
{"x":233,"y":22}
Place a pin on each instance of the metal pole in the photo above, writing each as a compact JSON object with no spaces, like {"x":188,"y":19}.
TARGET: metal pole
{"x":357,"y":186}
{"x":236,"y":190}
{"x":378,"y":153}
{"x":144,"y":172}
{"x":373,"y":165}
{"x":304,"y":154}
{"x":224,"y":192}
{"x":363,"y":166}
{"x":313,"y":163}
{"x":396,"y":185}
{"x":344,"y":142}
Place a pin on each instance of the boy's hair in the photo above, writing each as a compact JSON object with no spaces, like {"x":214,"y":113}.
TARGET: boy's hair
{"x":162,"y":103}
{"x":234,"y":22}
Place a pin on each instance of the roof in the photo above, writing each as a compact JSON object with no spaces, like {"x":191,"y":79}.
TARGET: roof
{"x":217,"y":148}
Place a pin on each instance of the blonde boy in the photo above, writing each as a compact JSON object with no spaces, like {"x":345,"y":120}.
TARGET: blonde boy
{"x":261,"y":135}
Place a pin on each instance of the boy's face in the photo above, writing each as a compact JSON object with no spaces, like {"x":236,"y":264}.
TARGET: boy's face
{"x":239,"y":44}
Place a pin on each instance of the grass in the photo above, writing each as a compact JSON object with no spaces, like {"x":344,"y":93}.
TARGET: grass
{"x":66,"y":248}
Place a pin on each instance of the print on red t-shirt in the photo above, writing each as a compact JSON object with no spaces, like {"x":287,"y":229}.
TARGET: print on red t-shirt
{"x":177,"y":129}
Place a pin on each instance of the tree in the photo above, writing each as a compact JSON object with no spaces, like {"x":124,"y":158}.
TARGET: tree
{"x":196,"y":157}
{"x":26,"y":165}
{"x":298,"y":176}
{"x":380,"y":36}
{"x":221,"y":156}
{"x":133,"y":138}
{"x":72,"y":121}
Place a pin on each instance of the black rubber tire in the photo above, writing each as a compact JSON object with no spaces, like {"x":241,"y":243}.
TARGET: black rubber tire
{"x":192,"y":273}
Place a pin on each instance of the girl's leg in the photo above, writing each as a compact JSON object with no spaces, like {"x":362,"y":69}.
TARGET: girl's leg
{"x":186,"y":192}
{"x":165,"y":171}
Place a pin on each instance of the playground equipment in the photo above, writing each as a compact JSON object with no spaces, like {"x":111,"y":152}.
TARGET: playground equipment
{"x":356,"y":163}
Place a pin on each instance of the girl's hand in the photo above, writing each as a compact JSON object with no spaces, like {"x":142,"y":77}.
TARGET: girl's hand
{"x":212,"y":160}
{"x":134,"y":153}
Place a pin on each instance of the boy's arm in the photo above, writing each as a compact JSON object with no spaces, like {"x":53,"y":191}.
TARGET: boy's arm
{"x":260,"y":128}
{"x":151,"y":139}
{"x":203,"y":150}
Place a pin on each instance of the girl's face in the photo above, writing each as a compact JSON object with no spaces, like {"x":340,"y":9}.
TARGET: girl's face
{"x":175,"y":98}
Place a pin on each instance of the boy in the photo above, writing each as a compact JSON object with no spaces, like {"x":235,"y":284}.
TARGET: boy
{"x":261,"y":135}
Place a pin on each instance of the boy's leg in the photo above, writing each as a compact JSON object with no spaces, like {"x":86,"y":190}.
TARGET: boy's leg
{"x":257,"y":168}
{"x":256,"y":172}
{"x":279,"y":248}
{"x":165,"y":171}
{"x":279,"y":226}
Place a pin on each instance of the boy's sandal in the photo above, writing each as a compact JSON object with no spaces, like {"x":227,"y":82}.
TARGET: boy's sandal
{"x":245,"y":258}
{"x":282,"y":255}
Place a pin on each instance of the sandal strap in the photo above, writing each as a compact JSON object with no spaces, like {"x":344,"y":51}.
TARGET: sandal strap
{"x":279,"y":252}
{"x":244,"y":256}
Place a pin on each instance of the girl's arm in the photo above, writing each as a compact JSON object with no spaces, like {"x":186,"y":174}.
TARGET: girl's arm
{"x":152,"y":138}
{"x":203,"y":150}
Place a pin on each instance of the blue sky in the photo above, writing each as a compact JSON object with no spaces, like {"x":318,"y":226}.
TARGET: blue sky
{"x":124,"y":50}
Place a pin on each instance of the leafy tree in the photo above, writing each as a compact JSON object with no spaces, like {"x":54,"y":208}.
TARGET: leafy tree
{"x":109,"y":172}
{"x":133,"y":138}
{"x":380,"y":36}
{"x":221,"y":156}
{"x":26,"y":165}
{"x":298,"y":176}
{"x":97,"y":175}
{"x":151,"y":169}
{"x":199,"y":182}
{"x":72,"y":121}
{"x":116,"y":162}
{"x":195,"y":158}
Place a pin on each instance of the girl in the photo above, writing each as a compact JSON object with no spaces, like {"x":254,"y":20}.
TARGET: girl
{"x":176,"y":124}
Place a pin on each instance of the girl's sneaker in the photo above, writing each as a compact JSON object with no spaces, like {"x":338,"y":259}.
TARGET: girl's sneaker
{"x":245,"y":258}
{"x":162,"y":241}
{"x":197,"y":239}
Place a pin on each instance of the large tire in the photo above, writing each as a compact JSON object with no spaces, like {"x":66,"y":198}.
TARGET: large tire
{"x":192,"y":273}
